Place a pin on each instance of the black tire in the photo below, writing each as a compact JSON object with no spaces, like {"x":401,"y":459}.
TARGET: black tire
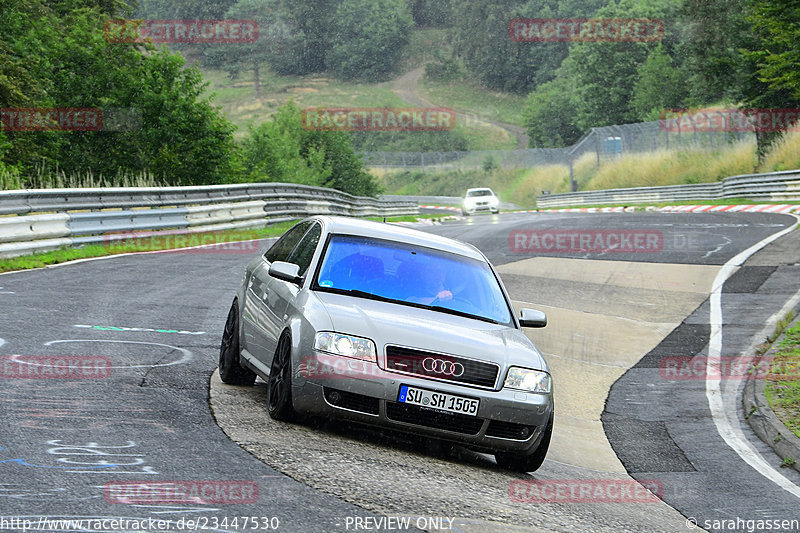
{"x":531,"y":462}
{"x":230,"y":370}
{"x":279,"y":390}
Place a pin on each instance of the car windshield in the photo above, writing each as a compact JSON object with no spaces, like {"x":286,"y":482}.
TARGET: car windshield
{"x":412,"y":275}
{"x":483,"y":192}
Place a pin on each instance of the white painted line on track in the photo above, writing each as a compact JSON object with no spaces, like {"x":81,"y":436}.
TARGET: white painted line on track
{"x":185,"y":358}
{"x":724,"y":416}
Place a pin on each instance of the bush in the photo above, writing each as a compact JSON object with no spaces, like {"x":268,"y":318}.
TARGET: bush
{"x":415,"y":141}
{"x":282,"y":150}
{"x":445,"y":70}
{"x":368,"y":37}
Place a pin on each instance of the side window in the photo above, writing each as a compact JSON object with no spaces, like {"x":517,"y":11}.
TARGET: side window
{"x":304,"y":252}
{"x":283,"y":247}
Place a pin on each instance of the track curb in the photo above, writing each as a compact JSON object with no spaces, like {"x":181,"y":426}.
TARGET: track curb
{"x":753,"y":208}
{"x":762,"y":418}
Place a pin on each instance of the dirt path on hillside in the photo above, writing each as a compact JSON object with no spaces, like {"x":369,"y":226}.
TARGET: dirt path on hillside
{"x":406,"y":87}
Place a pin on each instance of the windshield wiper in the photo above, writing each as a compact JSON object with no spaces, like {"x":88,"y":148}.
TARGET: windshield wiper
{"x":461,"y":313}
{"x":370,"y":296}
{"x":360,"y":293}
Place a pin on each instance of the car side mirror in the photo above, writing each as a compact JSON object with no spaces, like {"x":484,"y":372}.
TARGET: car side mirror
{"x":285,"y":271}
{"x":531,"y":318}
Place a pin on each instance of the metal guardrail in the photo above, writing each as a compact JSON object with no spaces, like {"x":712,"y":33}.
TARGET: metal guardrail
{"x":47,"y":219}
{"x":776,"y":186}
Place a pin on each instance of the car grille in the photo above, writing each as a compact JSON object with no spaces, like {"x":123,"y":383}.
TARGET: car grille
{"x":420,"y":416}
{"x":352,"y":401}
{"x":410,"y":361}
{"x":509,"y":430}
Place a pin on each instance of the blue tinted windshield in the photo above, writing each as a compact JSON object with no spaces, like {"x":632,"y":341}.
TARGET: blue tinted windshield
{"x":413,"y":275}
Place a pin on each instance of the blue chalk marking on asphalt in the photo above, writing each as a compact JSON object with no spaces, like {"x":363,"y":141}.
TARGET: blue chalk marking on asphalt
{"x":24,"y":462}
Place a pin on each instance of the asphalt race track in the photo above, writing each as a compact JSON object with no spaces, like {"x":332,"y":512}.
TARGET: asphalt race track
{"x":615,"y":313}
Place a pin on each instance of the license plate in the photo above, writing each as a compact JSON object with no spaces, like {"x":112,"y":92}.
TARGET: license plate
{"x":438,"y":400}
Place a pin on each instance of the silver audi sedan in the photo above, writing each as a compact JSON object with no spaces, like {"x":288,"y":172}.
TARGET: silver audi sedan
{"x":392,"y":327}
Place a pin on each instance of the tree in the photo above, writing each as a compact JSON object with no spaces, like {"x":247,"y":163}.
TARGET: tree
{"x":550,"y":114}
{"x":236,"y":57}
{"x":773,"y":60}
{"x":184,"y":9}
{"x":272,"y":152}
{"x":183,"y":138}
{"x":778,"y":57}
{"x":605,"y":72}
{"x":368,"y":37}
{"x":64,"y":60}
{"x":659,"y":86}
{"x":429,"y":13}
{"x":482,"y":41}
{"x":312,"y":20}
{"x":710,"y":33}
{"x":282,"y":150}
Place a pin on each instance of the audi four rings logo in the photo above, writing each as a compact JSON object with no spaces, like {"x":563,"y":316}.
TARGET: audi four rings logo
{"x":440,"y":366}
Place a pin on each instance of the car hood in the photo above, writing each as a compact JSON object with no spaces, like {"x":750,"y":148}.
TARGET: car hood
{"x":390,"y":323}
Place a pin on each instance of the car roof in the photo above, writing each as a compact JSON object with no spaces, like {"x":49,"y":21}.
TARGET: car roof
{"x":392,"y":232}
{"x":480,"y":189}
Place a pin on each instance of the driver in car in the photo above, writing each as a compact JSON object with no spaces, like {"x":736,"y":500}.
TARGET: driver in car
{"x":432,"y":286}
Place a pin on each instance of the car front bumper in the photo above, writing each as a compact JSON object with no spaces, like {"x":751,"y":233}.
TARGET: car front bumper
{"x":506,"y":420}
{"x":477,"y":208}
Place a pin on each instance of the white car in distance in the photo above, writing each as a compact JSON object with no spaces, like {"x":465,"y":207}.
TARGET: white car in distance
{"x":480,"y":199}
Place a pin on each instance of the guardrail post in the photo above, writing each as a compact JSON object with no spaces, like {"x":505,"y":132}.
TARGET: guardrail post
{"x":572,"y":186}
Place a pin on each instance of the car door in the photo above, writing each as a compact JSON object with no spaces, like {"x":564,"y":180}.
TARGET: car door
{"x":258,"y":340}
{"x":282,"y":294}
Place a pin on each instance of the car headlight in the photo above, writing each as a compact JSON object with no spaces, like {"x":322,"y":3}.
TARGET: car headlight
{"x":529,"y":380}
{"x":345,"y":345}
{"x":494,"y":200}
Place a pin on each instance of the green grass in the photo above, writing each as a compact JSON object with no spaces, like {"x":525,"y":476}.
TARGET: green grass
{"x":453,"y":183}
{"x":237,"y":98}
{"x":425,"y":45}
{"x":676,"y":167}
{"x":56,"y":179}
{"x":162,"y":241}
{"x":782,"y":386}
{"x":481,"y":135}
{"x":470,"y":97}
{"x":238,"y":102}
